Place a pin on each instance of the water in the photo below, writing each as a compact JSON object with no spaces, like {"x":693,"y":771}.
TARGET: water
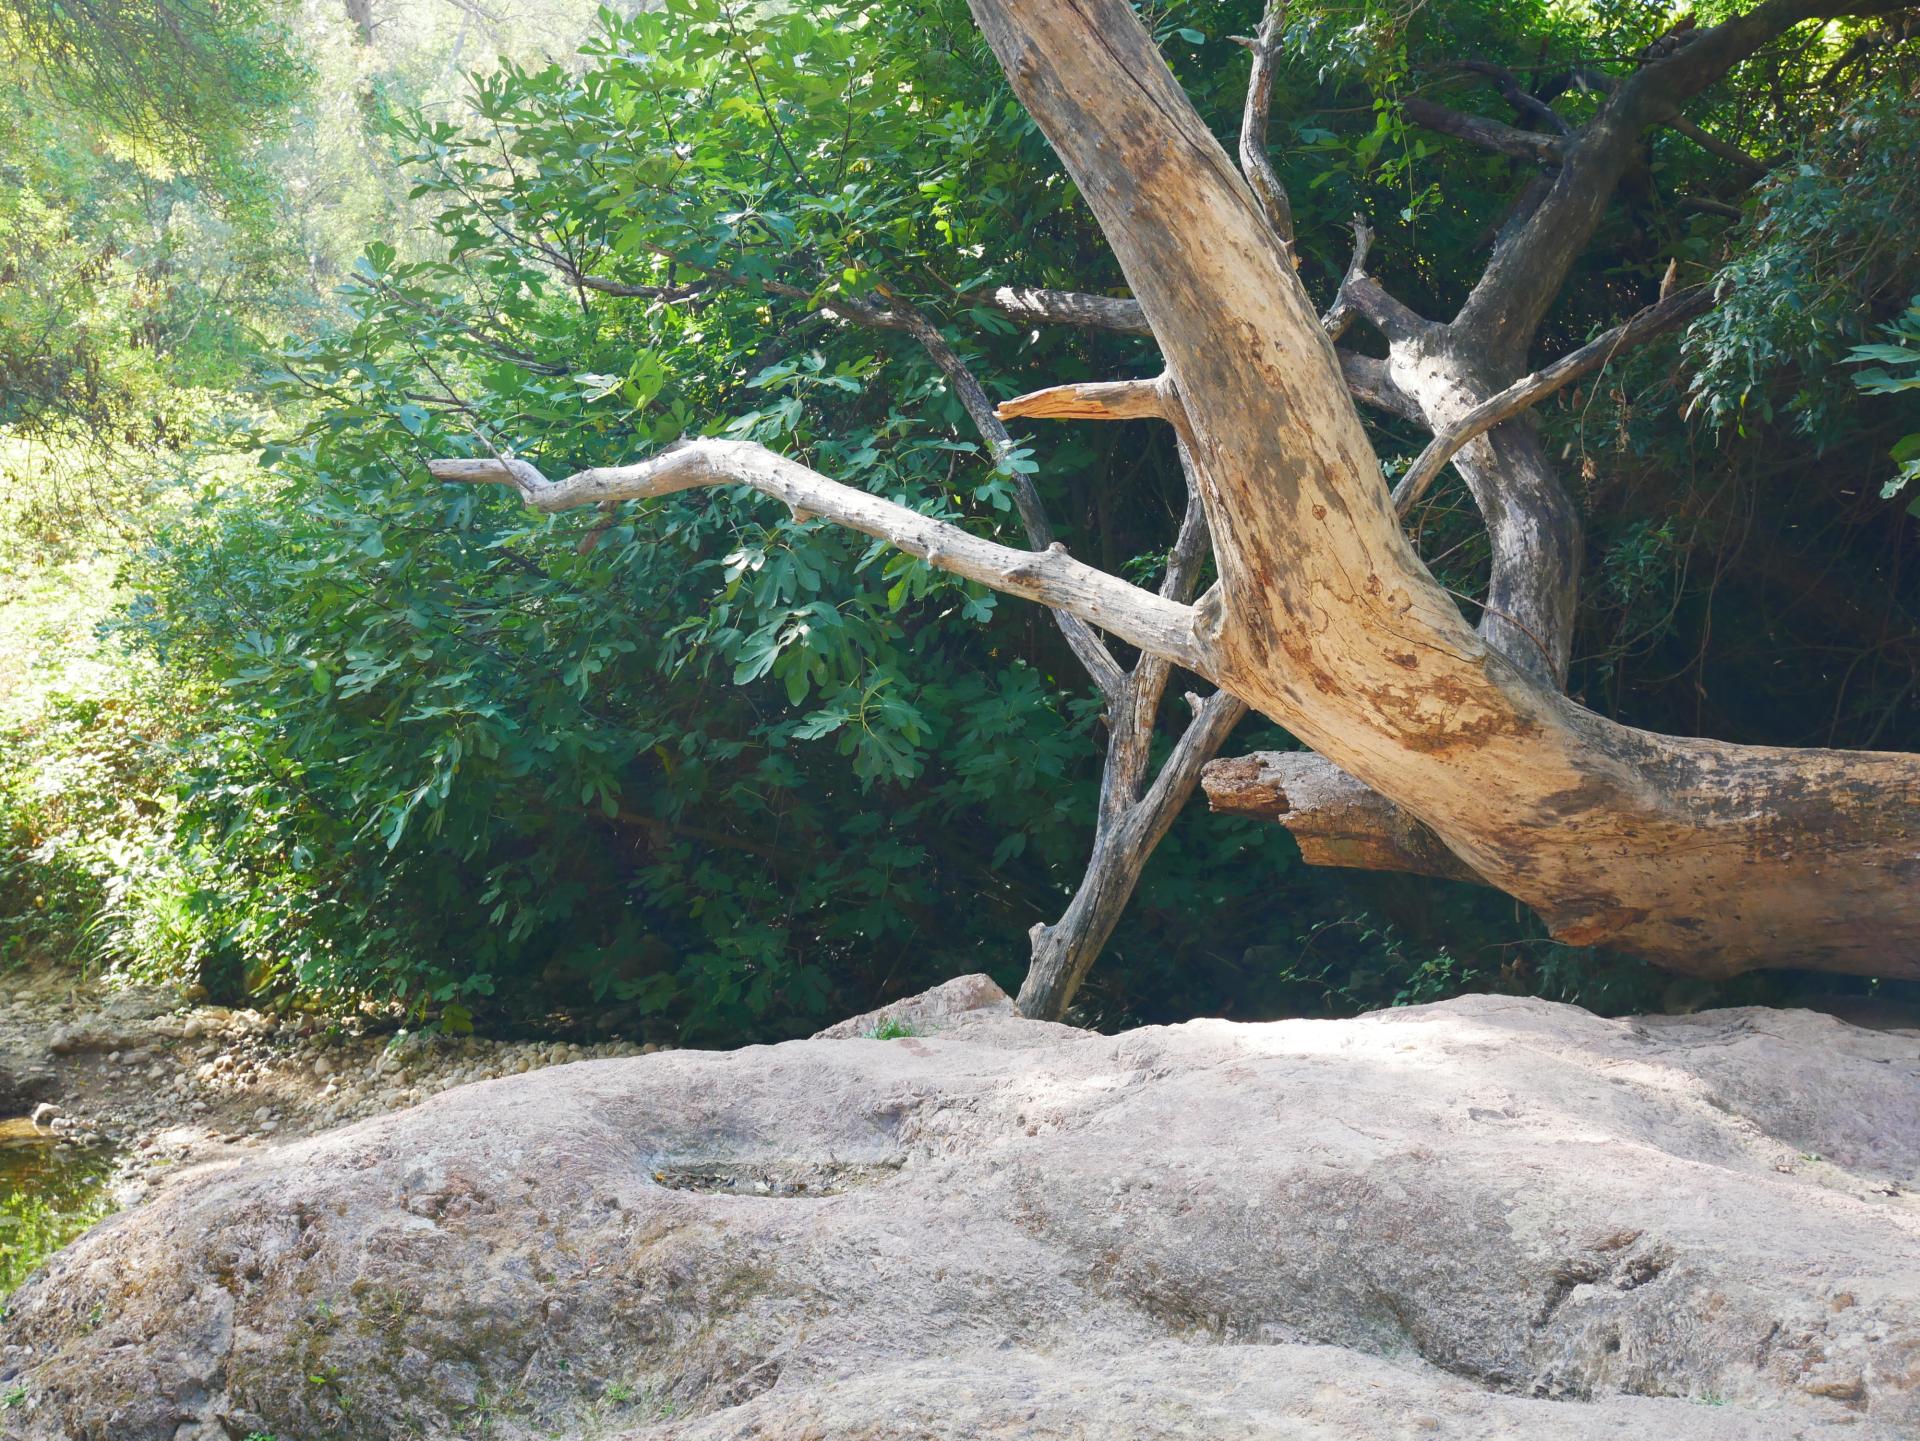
{"x":48,"y":1195}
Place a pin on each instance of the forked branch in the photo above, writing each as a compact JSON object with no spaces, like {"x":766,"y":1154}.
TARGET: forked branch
{"x":1340,"y":315}
{"x":1530,"y":390}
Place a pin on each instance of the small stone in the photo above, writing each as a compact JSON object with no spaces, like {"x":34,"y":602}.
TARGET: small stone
{"x":44,"y":1115}
{"x":322,"y":1067}
{"x":1843,"y":1388}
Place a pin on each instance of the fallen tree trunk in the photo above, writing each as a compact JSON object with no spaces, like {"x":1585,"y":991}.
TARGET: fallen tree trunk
{"x":1708,"y":857}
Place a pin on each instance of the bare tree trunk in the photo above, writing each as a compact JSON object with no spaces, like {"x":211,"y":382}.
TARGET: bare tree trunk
{"x":1122,"y":845}
{"x":1134,"y":816}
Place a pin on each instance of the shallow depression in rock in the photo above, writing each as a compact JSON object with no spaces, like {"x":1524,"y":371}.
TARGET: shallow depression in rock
{"x":772,"y":1178}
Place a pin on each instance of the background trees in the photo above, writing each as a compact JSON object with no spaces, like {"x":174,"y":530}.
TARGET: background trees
{"x":738,"y":772}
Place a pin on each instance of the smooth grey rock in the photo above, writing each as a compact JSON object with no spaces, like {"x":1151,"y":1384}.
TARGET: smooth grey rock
{"x":1488,"y":1218}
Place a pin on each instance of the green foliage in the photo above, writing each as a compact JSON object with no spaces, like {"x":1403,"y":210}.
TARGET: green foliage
{"x":701,"y":768}
{"x":1901,"y":351}
{"x":84,"y":780}
{"x":191,"y":79}
{"x":1828,"y":243}
{"x":693,"y":764}
{"x":139,"y":236}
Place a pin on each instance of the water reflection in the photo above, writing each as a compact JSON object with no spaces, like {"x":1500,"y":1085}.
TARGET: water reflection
{"x":49,"y":1193}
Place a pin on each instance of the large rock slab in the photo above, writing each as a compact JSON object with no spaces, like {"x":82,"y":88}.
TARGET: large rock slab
{"x":1488,"y":1218}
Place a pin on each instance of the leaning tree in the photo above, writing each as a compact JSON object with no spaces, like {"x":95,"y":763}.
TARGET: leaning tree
{"x":1436,"y":746}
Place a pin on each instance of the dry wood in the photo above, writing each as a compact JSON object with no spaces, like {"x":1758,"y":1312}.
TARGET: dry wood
{"x":1090,"y":400}
{"x":1064,"y":307}
{"x":1254,"y":160}
{"x":1051,"y":576}
{"x":1707,"y":856}
{"x":1337,"y":820}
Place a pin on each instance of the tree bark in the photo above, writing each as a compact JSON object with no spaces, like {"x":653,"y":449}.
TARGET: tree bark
{"x":360,"y":13}
{"x":1064,"y":951}
{"x":1335,"y":818}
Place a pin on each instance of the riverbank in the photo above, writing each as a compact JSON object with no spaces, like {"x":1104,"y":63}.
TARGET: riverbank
{"x":108,"y":1094}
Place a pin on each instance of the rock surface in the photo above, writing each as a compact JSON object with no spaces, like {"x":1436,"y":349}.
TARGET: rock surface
{"x":1487,"y":1218}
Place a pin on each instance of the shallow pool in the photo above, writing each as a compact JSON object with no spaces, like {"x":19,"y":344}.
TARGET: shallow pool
{"x":49,"y":1194}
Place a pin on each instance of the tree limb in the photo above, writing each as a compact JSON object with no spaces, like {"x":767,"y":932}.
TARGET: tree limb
{"x":1133,"y":816}
{"x":1532,"y":260}
{"x":1063,"y":307}
{"x":1382,"y":311}
{"x":1086,"y":646}
{"x":1337,"y":820}
{"x":1725,"y":149}
{"x":1255,"y":163}
{"x":1340,"y":312}
{"x":1368,"y":382}
{"x":900,"y":316}
{"x":1530,"y":390}
{"x":1051,"y":577}
{"x":1062,"y":952}
{"x":1517,"y":95}
{"x":1487,"y":134}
